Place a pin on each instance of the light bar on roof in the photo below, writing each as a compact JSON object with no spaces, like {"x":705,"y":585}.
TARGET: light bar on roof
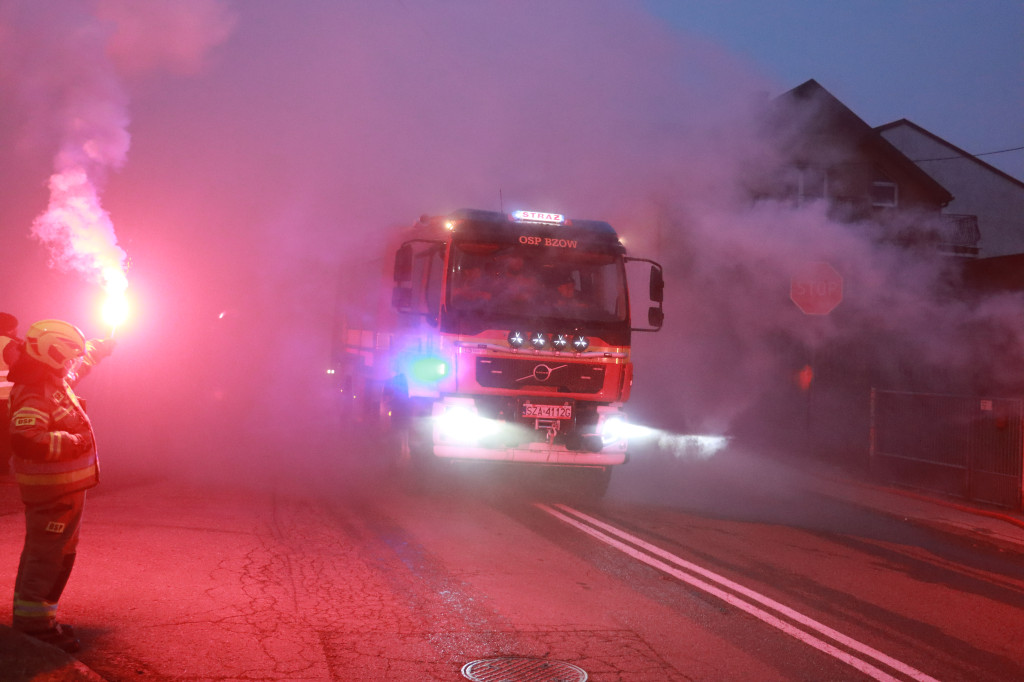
{"x":538,"y":217}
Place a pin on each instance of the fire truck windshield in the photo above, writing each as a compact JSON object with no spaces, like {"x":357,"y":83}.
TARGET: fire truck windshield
{"x":517,"y":282}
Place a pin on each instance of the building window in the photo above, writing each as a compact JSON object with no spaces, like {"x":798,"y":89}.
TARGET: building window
{"x":884,"y":194}
{"x":806,"y":183}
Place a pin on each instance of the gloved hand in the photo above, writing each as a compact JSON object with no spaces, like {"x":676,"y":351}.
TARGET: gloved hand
{"x":97,"y":349}
{"x":81,"y":442}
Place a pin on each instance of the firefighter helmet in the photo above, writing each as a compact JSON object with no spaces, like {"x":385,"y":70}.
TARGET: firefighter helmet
{"x":54,"y":342}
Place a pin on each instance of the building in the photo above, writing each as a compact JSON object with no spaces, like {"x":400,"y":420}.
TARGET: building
{"x":825,"y":152}
{"x":982,"y":193}
{"x":831,"y":153}
{"x":927,"y":194}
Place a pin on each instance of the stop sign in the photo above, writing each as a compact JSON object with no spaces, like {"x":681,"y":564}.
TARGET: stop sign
{"x":816,"y":288}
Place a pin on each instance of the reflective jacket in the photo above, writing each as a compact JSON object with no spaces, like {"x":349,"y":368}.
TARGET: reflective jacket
{"x":51,"y":436}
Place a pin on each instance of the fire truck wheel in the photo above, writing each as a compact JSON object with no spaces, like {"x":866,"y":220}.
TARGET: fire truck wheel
{"x":389,"y":442}
{"x":393,"y":449}
{"x":420,"y":470}
{"x":392,"y":425}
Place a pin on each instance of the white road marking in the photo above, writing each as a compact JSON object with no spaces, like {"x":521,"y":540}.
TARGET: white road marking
{"x":601,"y":530}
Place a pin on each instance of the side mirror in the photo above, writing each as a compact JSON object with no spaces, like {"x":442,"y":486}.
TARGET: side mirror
{"x":403,"y":263}
{"x":655,"y":317}
{"x":401,"y":299}
{"x":657,"y":285}
{"x":655,"y":291}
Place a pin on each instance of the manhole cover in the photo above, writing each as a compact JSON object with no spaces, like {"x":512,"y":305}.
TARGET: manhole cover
{"x":522,"y":670}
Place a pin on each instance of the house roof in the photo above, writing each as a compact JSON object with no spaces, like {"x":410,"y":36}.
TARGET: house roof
{"x":836,"y":116}
{"x":952,"y":148}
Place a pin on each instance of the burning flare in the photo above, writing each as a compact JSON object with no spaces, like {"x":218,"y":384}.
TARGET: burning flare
{"x":115,"y":309}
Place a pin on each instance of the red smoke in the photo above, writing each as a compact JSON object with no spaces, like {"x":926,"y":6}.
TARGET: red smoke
{"x":293,"y":151}
{"x":72,"y":83}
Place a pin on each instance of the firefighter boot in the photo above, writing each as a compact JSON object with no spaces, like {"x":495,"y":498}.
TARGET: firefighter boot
{"x":60,"y":635}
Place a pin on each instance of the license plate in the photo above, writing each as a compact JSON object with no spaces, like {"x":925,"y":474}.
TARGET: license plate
{"x":534,"y":411}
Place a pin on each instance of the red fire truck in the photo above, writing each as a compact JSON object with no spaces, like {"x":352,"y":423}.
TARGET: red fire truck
{"x":506,"y":337}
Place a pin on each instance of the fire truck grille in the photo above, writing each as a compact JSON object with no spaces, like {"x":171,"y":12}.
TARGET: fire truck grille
{"x":552,"y":373}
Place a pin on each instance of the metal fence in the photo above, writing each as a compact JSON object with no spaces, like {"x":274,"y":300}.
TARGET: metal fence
{"x":963,"y":446}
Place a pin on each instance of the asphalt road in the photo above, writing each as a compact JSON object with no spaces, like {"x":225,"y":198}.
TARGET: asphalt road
{"x":688,"y":571}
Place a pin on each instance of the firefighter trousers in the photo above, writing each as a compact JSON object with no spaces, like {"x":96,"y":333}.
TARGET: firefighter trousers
{"x":51,"y":541}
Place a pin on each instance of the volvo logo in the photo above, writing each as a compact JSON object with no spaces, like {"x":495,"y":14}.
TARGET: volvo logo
{"x":541,"y":372}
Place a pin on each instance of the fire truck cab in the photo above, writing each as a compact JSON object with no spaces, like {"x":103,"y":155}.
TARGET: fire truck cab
{"x":506,"y":337}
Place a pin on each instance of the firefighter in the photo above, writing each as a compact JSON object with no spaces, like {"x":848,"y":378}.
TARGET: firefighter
{"x":9,"y":343}
{"x":517,"y":285}
{"x":568,"y":302}
{"x":55,"y":462}
{"x":8,"y":337}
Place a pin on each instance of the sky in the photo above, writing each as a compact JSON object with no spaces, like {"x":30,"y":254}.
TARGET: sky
{"x":954,"y":67}
{"x":236,"y":161}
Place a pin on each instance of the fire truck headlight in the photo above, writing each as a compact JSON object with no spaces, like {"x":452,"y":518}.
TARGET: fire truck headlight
{"x":580,"y":343}
{"x":461,"y":423}
{"x":539,"y":340}
{"x":516,"y":339}
{"x":614,"y":429}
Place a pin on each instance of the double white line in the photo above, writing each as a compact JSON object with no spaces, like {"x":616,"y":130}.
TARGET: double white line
{"x":811,"y":632}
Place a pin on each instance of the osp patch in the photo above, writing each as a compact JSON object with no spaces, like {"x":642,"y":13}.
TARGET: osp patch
{"x":55,"y":527}
{"x":24,"y":421}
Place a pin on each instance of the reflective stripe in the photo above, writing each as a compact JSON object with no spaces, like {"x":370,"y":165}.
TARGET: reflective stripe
{"x":57,"y":445}
{"x":56,"y":479}
{"x":74,"y":401}
{"x":32,"y":466}
{"x":31,"y":412}
{"x":34,"y":609}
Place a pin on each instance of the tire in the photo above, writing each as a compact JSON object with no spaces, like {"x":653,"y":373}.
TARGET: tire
{"x":391,"y":424}
{"x":420,"y":470}
{"x":389,"y":432}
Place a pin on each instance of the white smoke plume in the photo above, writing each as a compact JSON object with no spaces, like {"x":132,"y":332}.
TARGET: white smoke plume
{"x":65,"y":60}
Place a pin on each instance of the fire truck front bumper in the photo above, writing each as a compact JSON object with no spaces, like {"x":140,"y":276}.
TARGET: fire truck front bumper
{"x":536,"y":453}
{"x":460,"y":432}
